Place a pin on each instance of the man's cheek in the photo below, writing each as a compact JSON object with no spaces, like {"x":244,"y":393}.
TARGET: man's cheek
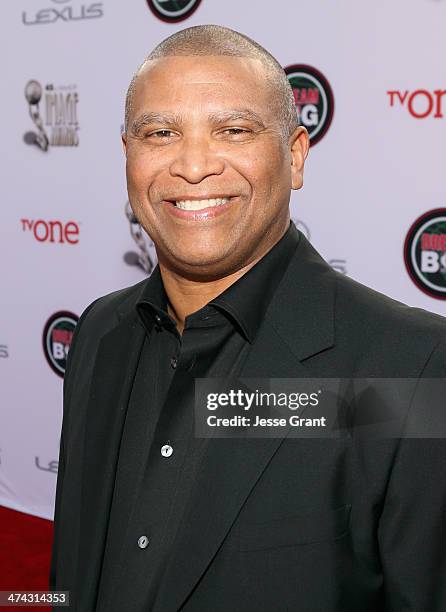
{"x":138,"y":173}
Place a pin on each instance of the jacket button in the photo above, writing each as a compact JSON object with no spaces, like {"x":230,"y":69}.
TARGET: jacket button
{"x":166,"y":450}
{"x":143,"y":541}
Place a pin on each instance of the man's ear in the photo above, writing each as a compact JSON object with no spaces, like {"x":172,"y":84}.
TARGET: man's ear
{"x":124,"y":142}
{"x":299,"y":143}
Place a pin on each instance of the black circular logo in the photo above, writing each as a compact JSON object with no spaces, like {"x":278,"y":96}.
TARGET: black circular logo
{"x":173,"y":10}
{"x":425,"y":253}
{"x":57,"y":336}
{"x":314,"y":99}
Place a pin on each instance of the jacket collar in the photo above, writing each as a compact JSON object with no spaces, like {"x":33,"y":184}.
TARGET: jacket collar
{"x":302,"y":310}
{"x":302,"y":307}
{"x":244,"y":302}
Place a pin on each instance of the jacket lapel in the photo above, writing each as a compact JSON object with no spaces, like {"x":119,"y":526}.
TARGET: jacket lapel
{"x":297,"y":325}
{"x":112,"y":379}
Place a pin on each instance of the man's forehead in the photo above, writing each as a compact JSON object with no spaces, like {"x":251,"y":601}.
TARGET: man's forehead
{"x":202,"y":69}
{"x":199,"y":82}
{"x":221,"y":77}
{"x":211,"y":81}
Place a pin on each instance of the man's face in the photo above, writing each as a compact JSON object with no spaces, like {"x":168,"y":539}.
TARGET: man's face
{"x":205,"y":128}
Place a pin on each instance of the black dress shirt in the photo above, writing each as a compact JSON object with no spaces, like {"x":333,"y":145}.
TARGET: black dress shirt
{"x":158,"y":446}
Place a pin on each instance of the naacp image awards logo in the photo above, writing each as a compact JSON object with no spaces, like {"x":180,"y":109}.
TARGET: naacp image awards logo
{"x":57,"y":337}
{"x":173,"y":11}
{"x":53,"y":111}
{"x":425,"y":253}
{"x":314,"y":99}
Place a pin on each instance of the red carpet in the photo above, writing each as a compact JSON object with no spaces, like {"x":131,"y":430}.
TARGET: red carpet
{"x":25,"y":551}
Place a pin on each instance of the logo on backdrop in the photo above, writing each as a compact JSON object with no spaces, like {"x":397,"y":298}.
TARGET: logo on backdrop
{"x":64,"y":10}
{"x":314,"y":99}
{"x":420,"y":103}
{"x":145,"y":255}
{"x":425,"y":253}
{"x":303,"y":227}
{"x":57,"y":336}
{"x":173,"y":10}
{"x":51,"y":466}
{"x":340,"y":265}
{"x":52,"y":231}
{"x":59,"y":125}
{"x":4,"y":351}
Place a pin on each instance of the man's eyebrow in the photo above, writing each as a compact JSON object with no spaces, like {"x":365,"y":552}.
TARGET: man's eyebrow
{"x":147,"y":118}
{"x":235,"y":115}
{"x":216,"y":118}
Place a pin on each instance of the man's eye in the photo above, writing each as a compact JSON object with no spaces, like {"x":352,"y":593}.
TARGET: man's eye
{"x":160,"y":134}
{"x":235,"y":131}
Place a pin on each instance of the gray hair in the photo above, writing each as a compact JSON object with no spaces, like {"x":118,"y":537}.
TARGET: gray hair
{"x":219,"y":40}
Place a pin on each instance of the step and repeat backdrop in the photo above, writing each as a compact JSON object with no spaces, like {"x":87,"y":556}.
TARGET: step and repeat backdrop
{"x":370,"y":87}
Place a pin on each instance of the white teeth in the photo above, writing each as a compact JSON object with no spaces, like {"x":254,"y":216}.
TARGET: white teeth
{"x":200,"y":204}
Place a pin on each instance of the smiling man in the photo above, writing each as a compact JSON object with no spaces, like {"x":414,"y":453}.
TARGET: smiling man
{"x":210,"y":164}
{"x":151,"y":517}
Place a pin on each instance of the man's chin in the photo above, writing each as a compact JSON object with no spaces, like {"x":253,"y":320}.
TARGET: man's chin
{"x":209,"y":264}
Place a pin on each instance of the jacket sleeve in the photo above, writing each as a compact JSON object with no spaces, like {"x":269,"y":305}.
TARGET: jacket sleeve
{"x":412,"y":529}
{"x":61,"y":468}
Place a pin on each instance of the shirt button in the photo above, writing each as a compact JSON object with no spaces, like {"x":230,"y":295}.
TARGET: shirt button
{"x":166,"y":450}
{"x":143,"y":541}
{"x":174,"y":362}
{"x":158,"y":319}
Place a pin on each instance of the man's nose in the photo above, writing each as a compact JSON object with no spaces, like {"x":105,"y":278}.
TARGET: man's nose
{"x":196,"y":160}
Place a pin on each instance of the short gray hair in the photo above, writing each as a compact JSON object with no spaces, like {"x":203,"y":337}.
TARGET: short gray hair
{"x":219,"y":40}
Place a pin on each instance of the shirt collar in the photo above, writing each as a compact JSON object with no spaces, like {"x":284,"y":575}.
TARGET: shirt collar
{"x":244,"y":302}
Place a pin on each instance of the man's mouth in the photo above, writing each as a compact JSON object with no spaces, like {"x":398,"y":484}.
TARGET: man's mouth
{"x":199,"y":204}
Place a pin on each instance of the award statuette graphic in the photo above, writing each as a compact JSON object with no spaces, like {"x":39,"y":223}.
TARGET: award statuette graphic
{"x":142,"y":259}
{"x":33,"y":95}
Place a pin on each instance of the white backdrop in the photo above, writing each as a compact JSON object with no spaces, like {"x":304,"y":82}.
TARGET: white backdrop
{"x":65,"y":237}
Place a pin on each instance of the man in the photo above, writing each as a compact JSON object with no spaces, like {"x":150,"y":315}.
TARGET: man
{"x":148,"y":515}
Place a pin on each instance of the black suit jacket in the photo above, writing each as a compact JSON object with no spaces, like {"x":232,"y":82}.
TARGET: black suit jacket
{"x":315,"y":525}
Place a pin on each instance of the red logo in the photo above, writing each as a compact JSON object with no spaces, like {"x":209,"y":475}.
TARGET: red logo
{"x":57,"y":338}
{"x":420,"y":103}
{"x":52,"y":231}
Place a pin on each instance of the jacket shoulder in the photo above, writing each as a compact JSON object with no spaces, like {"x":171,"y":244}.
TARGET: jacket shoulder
{"x":99,"y":317}
{"x":104,"y":307}
{"x":385,"y":335}
{"x":379,"y":310}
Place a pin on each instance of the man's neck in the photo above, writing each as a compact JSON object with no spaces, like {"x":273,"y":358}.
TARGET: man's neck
{"x":186,"y":296}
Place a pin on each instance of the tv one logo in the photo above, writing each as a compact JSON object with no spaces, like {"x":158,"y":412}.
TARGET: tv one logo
{"x":52,"y":231}
{"x":425,"y":253}
{"x":420,"y":103}
{"x":57,"y":337}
